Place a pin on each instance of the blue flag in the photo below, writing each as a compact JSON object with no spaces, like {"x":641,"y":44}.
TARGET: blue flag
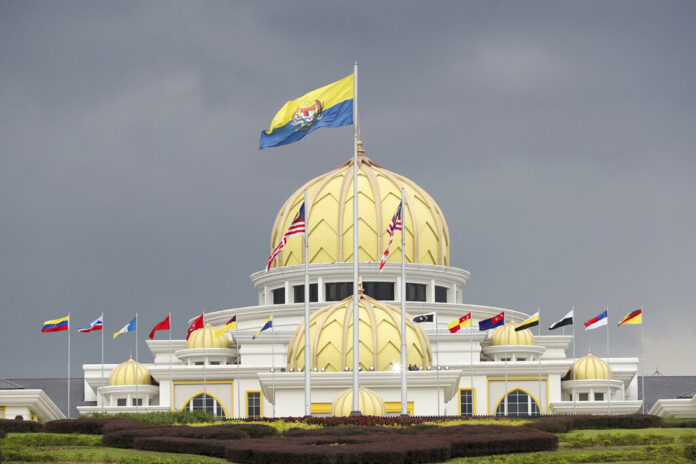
{"x":493,"y":322}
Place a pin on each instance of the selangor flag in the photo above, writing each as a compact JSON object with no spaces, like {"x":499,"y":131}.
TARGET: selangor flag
{"x":195,"y":325}
{"x":164,"y":325}
{"x":531,"y":322}
{"x":56,"y":325}
{"x":267,"y":325}
{"x":495,"y":321}
{"x":464,"y":321}
{"x":231,"y":325}
{"x":328,"y":106}
{"x":96,"y":325}
{"x":597,"y":321}
{"x":636,"y":317}
{"x":130,"y":327}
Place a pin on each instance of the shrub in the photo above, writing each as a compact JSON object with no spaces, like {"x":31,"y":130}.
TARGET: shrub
{"x":690,"y":452}
{"x":2,"y":435}
{"x":35,"y":440}
{"x":85,"y":425}
{"x":253,"y":430}
{"x":215,"y":448}
{"x":681,"y":424}
{"x":124,"y":438}
{"x":123,"y":423}
{"x":165,"y":418}
{"x":564,"y":424}
{"x":341,"y":431}
{"x":20,"y":426}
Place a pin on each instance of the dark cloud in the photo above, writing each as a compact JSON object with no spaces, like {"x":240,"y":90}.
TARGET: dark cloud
{"x":556,"y":136}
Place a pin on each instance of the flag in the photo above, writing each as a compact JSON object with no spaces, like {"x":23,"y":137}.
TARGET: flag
{"x":328,"y":106}
{"x":267,"y":325}
{"x":455,"y":325}
{"x":495,"y":321}
{"x":531,"y":322}
{"x":567,"y":320}
{"x":430,"y":317}
{"x":96,"y":325}
{"x":231,"y":325}
{"x":195,"y":325}
{"x":296,"y":227}
{"x":164,"y":325}
{"x":598,"y":321}
{"x":56,"y":325}
{"x":130,"y":327}
{"x":635,"y":317}
{"x":396,"y":224}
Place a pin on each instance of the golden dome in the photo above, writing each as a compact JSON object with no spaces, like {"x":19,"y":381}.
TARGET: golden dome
{"x":125,"y":374}
{"x":523,"y":337}
{"x":331,"y":334}
{"x":211,"y":341}
{"x":330,"y":219}
{"x":590,"y":367}
{"x":370,"y":403}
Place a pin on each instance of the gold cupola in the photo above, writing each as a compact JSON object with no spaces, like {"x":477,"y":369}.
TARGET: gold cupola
{"x":369,"y":403}
{"x":590,"y":367}
{"x":331,"y":335}
{"x":130,"y":373}
{"x":506,"y":335}
{"x":330,"y":218}
{"x":207,"y":334}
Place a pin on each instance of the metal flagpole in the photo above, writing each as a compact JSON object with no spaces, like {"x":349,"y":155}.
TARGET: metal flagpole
{"x":137,"y":373}
{"x":505,"y":401}
{"x":356,"y":297}
{"x":574,"y":398}
{"x":642,"y":364}
{"x":437,"y":343}
{"x":471,"y":362}
{"x":171,"y":379}
{"x":102,"y":366}
{"x":539,"y":335}
{"x":404,"y":359}
{"x":273,"y":363}
{"x":307,"y":361}
{"x":205,"y":361}
{"x":608,"y":357}
{"x":68,"y":365}
{"x":239,"y":394}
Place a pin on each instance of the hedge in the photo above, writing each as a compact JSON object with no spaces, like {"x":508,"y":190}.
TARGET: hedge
{"x":682,"y":424}
{"x":345,"y":431}
{"x":20,"y":426}
{"x":92,"y":425}
{"x":254,"y":430}
{"x":125,"y":438}
{"x":563,"y":424}
{"x":214,"y":448}
{"x":3,"y":434}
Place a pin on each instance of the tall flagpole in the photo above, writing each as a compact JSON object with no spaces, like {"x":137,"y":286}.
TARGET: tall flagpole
{"x":437,"y":373}
{"x":642,"y":364}
{"x":102,"y":366}
{"x":273,"y":362}
{"x":307,"y":361}
{"x":539,"y":335}
{"x":205,"y":361}
{"x":171,"y":379}
{"x":356,"y":297}
{"x":471,"y":362}
{"x":68,"y":365}
{"x":239,"y":394}
{"x":574,"y":398}
{"x":609,"y":366}
{"x":137,"y":372}
{"x":404,"y":359}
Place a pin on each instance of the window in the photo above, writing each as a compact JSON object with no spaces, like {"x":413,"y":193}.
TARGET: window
{"x":198,"y":363}
{"x":253,"y":404}
{"x":599,"y":396}
{"x":137,"y":401}
{"x":121,"y":402}
{"x":584,"y":397}
{"x":466,"y":403}
{"x":205,"y":402}
{"x":518,"y":403}
{"x":440,"y":294}
{"x":379,"y":290}
{"x":415,"y":292}
{"x":298,"y":290}
{"x":214,"y":363}
{"x":279,"y":295}
{"x":337,"y":291}
{"x":506,"y":359}
{"x":521,"y":359}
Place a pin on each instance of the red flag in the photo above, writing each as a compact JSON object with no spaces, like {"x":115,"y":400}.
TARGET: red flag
{"x":195,"y":325}
{"x":164,"y":325}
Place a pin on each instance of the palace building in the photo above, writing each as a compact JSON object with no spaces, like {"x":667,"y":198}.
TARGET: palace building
{"x":470,"y":372}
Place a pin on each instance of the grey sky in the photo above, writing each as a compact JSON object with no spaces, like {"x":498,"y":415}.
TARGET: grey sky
{"x":558,"y":138}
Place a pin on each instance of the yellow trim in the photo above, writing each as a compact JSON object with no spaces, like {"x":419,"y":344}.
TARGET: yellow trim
{"x":2,"y":408}
{"x":473,"y":400}
{"x":395,"y":406}
{"x":32,"y":417}
{"x":502,"y":379}
{"x":321,"y":408}
{"x":206,"y":394}
{"x":213,"y":382}
{"x":246,"y":403}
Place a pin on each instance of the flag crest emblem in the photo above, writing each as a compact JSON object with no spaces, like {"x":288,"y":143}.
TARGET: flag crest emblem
{"x":307,"y":114}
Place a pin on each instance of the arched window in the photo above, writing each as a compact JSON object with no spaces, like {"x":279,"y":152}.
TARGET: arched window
{"x":205,"y":402}
{"x":519,"y":403}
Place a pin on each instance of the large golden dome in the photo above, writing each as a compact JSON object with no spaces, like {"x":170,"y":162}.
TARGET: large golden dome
{"x":330,"y":219}
{"x":590,"y":367}
{"x":369,"y":403}
{"x":207,"y":336}
{"x":331,"y":335}
{"x":130,"y":373}
{"x":506,"y":335}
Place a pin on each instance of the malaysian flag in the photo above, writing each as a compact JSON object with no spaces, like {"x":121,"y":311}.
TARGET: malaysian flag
{"x":394,"y":225}
{"x":297,"y":227}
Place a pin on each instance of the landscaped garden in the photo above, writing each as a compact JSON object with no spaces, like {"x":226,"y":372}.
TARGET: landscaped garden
{"x":194,"y":438}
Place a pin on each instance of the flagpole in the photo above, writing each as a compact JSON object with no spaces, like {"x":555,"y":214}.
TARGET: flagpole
{"x":137,"y":373}
{"x":273,"y":363}
{"x":356,"y":297}
{"x":574,"y":359}
{"x":404,"y":358}
{"x":642,"y":364}
{"x":68,"y":365}
{"x":239,"y":395}
{"x":609,"y":367}
{"x":102,"y":366}
{"x":171,"y":379}
{"x":437,"y":343}
{"x":539,"y":335}
{"x":205,"y":383}
{"x":307,"y":360}
{"x":471,"y":361}
{"x":505,"y":405}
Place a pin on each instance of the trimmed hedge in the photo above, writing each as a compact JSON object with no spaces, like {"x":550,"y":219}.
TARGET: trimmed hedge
{"x":564,"y":424}
{"x":690,"y":424}
{"x":92,"y":425}
{"x":254,"y":430}
{"x":20,"y":426}
{"x":214,"y":448}
{"x":344,"y":431}
{"x":3,"y":434}
{"x":125,"y":438}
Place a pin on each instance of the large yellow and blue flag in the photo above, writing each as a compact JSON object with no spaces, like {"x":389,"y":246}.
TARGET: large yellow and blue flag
{"x":56,"y":325}
{"x":328,"y":106}
{"x":267,"y":325}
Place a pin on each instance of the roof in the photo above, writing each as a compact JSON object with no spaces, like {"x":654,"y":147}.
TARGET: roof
{"x":666,"y":387}
{"x":56,"y":389}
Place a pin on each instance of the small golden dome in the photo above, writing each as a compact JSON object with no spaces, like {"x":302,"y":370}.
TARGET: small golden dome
{"x":590,"y":367}
{"x":127,"y":372}
{"x":370,"y":403}
{"x":330,"y":219}
{"x":506,"y":333}
{"x":208,"y":334}
{"x":331,"y":335}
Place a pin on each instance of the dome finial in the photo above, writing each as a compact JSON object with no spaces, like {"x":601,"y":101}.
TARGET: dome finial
{"x":361,"y":150}
{"x":360,"y":287}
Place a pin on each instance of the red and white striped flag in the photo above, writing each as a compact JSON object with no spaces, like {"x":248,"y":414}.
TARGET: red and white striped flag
{"x":296,"y":227}
{"x":394,"y":225}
